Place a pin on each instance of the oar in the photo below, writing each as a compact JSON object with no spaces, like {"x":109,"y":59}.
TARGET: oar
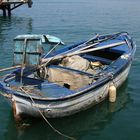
{"x":10,"y":68}
{"x":83,"y":51}
{"x":83,"y":48}
{"x":43,"y":60}
{"x":66,"y":52}
{"x":99,"y":48}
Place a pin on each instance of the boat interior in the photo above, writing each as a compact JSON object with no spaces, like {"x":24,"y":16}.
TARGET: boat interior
{"x":67,"y":75}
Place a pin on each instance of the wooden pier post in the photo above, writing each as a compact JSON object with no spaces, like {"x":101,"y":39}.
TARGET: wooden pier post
{"x":4,"y":11}
{"x":8,"y":5}
{"x":9,"y":9}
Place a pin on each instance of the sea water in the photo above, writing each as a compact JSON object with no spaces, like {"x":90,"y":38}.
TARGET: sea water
{"x":72,"y":21}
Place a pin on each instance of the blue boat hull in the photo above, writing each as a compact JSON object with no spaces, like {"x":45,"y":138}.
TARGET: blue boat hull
{"x":73,"y":101}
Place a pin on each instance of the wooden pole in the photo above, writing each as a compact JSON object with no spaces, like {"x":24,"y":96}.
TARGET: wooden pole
{"x":4,"y":11}
{"x":10,"y":68}
{"x":9,"y":10}
{"x":83,"y":51}
{"x":99,"y":48}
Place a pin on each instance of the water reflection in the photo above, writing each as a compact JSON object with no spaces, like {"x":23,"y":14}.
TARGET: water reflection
{"x":15,"y":26}
{"x":81,"y":126}
{"x":9,"y":28}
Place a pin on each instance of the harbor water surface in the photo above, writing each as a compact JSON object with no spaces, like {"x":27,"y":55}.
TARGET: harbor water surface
{"x":76,"y":20}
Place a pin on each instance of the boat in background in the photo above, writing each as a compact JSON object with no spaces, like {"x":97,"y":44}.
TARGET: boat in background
{"x":68,"y":80}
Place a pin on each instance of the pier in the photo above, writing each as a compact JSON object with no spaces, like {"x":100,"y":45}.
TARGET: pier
{"x":8,"y":5}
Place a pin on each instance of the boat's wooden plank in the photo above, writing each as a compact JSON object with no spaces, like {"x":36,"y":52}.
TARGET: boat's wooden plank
{"x":71,"y":69}
{"x":97,"y":58}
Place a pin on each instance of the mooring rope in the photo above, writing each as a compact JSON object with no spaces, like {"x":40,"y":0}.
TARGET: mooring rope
{"x":46,"y":120}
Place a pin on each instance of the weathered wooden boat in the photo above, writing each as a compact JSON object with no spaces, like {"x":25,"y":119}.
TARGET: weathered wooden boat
{"x":68,"y":80}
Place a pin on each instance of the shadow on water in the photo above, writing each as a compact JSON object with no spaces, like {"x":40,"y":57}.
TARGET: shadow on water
{"x":86,"y":123}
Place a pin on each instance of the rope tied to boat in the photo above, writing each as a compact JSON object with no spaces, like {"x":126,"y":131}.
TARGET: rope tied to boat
{"x":46,"y":120}
{"x":111,"y":75}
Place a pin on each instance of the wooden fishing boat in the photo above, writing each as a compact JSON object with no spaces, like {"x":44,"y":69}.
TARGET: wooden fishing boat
{"x":68,"y":80}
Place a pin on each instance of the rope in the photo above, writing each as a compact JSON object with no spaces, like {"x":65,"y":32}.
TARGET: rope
{"x":46,"y":120}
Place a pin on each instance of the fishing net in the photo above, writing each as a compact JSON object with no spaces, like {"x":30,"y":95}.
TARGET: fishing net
{"x":70,"y":78}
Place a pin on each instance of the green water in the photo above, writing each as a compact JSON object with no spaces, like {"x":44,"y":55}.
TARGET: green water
{"x":76,"y":20}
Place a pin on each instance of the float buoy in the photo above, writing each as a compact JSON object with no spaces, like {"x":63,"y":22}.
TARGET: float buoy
{"x":17,"y":117}
{"x":112,"y":93}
